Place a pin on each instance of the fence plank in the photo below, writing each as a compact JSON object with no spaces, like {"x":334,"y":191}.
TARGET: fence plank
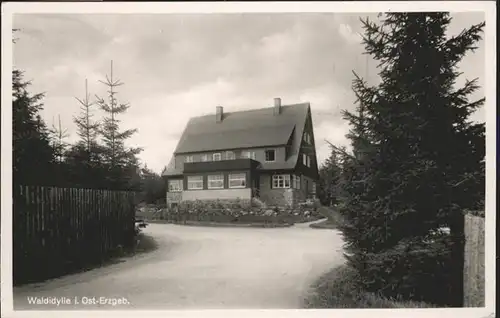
{"x":474,"y":262}
{"x":65,"y":225}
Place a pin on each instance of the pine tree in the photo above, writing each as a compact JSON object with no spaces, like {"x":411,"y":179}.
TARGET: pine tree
{"x":419,"y":159}
{"x":120,"y":159}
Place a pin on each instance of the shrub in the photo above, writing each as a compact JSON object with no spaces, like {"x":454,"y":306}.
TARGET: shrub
{"x":413,"y":270}
{"x":339,"y":288}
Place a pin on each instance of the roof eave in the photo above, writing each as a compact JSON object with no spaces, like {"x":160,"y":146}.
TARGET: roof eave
{"x":229,"y":149}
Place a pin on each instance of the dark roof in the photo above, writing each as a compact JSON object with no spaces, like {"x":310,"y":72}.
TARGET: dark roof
{"x":243,"y":129}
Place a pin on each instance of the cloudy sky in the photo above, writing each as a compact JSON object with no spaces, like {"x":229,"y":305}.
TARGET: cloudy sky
{"x":175,"y":66}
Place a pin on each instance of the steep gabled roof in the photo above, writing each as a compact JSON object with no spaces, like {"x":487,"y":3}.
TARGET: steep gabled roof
{"x":243,"y":129}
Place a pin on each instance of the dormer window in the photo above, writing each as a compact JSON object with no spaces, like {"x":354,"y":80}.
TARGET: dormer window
{"x":270,"y":155}
{"x":217,"y":156}
{"x":248,"y":154}
{"x":189,"y":159}
{"x":230,"y":155}
{"x":204,"y":157}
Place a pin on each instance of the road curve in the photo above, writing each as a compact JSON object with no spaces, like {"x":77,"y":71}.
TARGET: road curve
{"x":200,"y":268}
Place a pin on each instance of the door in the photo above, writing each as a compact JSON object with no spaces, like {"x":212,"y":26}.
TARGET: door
{"x":256,"y":187}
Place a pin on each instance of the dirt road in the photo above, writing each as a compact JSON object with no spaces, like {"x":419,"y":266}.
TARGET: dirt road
{"x":200,"y":268}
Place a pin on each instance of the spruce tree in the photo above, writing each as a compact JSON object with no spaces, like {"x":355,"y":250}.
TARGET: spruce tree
{"x":87,"y":128}
{"x":58,"y":136}
{"x":329,"y":178}
{"x":419,"y":160}
{"x":32,"y":154}
{"x":121,"y":160}
{"x":152,"y":185}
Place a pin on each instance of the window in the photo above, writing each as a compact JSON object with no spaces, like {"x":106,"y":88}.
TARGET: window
{"x":189,"y":159}
{"x":308,"y":161}
{"x":307,"y":138}
{"x":204,"y":158}
{"x":216,"y":181}
{"x":313,"y":188}
{"x":195,"y":182}
{"x":304,"y":159}
{"x":270,"y":155}
{"x":174,"y":185}
{"x":248,"y":154}
{"x":296,"y":182}
{"x":230,"y":155}
{"x":238,"y":180}
{"x":281,"y":181}
{"x":217,"y":156}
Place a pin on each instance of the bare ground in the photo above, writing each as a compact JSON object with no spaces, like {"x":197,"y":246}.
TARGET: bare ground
{"x":203,"y":268}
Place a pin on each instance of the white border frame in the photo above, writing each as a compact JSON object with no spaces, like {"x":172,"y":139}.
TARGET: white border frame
{"x":489,"y":9}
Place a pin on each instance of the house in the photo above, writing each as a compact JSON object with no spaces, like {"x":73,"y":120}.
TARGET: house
{"x":267,"y":153}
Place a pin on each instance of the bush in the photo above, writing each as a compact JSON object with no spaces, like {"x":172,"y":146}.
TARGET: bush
{"x":339,"y":288}
{"x":412,"y":270}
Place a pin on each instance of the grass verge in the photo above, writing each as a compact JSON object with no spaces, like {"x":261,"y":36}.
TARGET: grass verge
{"x":336,"y":289}
{"x":326,"y":224}
{"x":333,"y":221}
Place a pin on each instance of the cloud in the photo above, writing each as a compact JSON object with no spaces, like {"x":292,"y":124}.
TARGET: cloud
{"x":348,"y":34}
{"x":177,"y":66}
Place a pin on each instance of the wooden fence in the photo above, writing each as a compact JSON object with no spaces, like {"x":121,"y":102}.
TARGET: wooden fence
{"x":474,"y":269}
{"x":58,"y":230}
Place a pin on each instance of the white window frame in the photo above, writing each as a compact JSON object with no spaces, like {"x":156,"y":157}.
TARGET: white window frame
{"x":189,"y":159}
{"x":215,"y":178}
{"x":283,"y":179}
{"x":177,"y":187}
{"x":237,"y":177}
{"x":309,"y":161}
{"x":204,"y":158}
{"x":194,"y":180}
{"x":232,"y":156}
{"x":248,"y":154}
{"x":304,"y":159}
{"x":265,"y":154}
{"x":218,"y":155}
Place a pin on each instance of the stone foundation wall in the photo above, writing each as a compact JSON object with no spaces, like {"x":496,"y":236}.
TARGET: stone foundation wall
{"x":284,"y":197}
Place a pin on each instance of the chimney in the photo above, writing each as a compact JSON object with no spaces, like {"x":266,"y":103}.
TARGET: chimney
{"x":218,"y":114}
{"x":277,"y":106}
